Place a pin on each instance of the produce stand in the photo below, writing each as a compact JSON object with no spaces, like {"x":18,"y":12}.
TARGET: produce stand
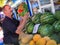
{"x":43,"y":25}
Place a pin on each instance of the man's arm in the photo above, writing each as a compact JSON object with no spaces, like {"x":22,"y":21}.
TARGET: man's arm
{"x":22,"y":24}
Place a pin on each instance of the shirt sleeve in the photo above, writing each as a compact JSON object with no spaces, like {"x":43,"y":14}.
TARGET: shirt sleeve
{"x":9,"y":26}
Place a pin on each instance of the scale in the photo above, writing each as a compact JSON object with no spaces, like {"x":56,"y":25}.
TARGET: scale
{"x":42,"y":6}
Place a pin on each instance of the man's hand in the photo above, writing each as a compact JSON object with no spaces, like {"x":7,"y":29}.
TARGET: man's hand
{"x":22,"y":23}
{"x":24,"y":19}
{"x":26,"y":16}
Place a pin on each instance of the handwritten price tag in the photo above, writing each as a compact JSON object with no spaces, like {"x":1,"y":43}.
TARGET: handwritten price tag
{"x":36,"y":28}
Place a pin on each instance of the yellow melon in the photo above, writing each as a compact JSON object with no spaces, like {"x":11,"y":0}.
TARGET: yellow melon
{"x":22,"y":43}
{"x":58,"y":44}
{"x":47,"y":38}
{"x":31,"y":42}
{"x":41,"y":41}
{"x":26,"y":38}
{"x":51,"y":42}
{"x":36,"y":37}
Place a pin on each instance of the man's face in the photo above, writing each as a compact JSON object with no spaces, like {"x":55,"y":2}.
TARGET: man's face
{"x":8,"y":10}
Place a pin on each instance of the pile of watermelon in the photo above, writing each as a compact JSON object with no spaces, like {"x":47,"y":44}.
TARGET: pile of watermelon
{"x":49,"y":25}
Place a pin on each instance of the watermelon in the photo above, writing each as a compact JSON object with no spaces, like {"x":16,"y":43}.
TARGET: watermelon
{"x":36,"y":18}
{"x":57,"y":15}
{"x":47,"y":18}
{"x":28,"y":22}
{"x":45,"y":30}
{"x":30,"y":28}
{"x":39,"y":28}
{"x":22,"y":9}
{"x":55,"y":37}
{"x":56,"y":26}
{"x":58,"y":34}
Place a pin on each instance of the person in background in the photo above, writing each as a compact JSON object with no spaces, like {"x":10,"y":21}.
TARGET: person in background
{"x":1,"y":30}
{"x":12,"y":27}
{"x":1,"y":35}
{"x":34,"y":5}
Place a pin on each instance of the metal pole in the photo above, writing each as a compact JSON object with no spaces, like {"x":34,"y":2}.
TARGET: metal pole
{"x":29,"y":7}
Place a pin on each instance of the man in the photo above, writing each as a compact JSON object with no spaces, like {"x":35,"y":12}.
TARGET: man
{"x":11,"y":27}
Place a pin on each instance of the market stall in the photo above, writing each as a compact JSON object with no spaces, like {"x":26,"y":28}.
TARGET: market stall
{"x":43,"y":25}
